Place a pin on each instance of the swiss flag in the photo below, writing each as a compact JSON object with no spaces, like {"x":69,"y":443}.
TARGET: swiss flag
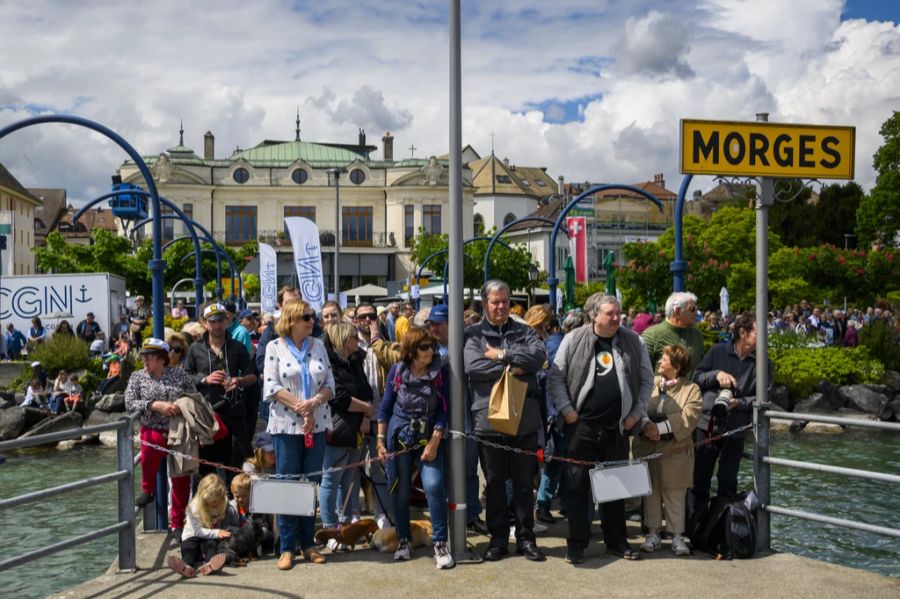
{"x":578,"y":246}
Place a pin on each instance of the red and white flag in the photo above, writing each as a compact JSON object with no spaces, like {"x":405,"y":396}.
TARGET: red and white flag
{"x":578,"y":246}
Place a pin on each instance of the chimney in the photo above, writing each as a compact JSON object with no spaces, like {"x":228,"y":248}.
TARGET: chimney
{"x":209,"y":146}
{"x":388,"y":146}
{"x":698,"y":195}
{"x":561,"y":186}
{"x":362,"y":138}
{"x":506,"y":162}
{"x":660,"y":180}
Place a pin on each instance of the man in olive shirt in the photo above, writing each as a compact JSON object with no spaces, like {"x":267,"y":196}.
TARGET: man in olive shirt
{"x":677,"y":329}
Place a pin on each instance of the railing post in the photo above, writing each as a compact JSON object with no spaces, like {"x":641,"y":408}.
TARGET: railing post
{"x":125,"y":461}
{"x":762,"y":475}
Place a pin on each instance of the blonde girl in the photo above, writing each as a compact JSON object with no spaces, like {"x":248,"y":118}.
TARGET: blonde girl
{"x":204,"y":538}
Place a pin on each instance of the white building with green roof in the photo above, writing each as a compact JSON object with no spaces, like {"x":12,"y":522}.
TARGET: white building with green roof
{"x":246,"y":197}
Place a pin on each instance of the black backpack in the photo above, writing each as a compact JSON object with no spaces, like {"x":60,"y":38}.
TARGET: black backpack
{"x":727,"y":527}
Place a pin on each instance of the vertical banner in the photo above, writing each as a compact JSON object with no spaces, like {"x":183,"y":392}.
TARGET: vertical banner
{"x":304,"y":236}
{"x":268,"y":277}
{"x":578,"y":246}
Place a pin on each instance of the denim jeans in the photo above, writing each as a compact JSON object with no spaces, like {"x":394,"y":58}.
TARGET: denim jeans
{"x":432,"y":475}
{"x":292,"y":457}
{"x":334,"y":506}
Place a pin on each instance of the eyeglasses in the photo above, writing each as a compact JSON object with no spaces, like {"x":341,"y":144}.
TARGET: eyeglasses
{"x":307,"y":317}
{"x":367,"y":316}
{"x":176,"y":349}
{"x":426,"y":346}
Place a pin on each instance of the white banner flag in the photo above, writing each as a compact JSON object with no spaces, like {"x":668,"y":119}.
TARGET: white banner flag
{"x":304,"y":236}
{"x":268,"y":277}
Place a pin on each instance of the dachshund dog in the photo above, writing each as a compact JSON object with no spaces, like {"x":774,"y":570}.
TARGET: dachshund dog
{"x":359,"y":532}
{"x":244,"y":543}
{"x":386,"y":541}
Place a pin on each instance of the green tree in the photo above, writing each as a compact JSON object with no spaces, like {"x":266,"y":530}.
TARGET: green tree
{"x":878,"y":216}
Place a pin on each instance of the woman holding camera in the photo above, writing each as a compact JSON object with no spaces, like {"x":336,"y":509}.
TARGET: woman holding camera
{"x":674,"y":410}
{"x":727,"y":379}
{"x":414,"y":413}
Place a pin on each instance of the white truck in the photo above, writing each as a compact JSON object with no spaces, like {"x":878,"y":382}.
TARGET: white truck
{"x":54,"y":298}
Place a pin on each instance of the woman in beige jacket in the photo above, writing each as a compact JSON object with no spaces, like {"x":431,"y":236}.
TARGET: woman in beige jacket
{"x":674,"y":408}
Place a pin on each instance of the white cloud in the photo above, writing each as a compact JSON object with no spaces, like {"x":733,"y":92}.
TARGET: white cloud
{"x":241,"y":69}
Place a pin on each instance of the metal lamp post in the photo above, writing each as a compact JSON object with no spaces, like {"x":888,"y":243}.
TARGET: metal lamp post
{"x":336,"y":172}
{"x":533,"y":274}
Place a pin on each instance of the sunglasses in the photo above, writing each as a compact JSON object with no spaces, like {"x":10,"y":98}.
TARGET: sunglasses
{"x":368,"y":316}
{"x":426,"y":346}
{"x":307,"y":317}
{"x":176,"y":349}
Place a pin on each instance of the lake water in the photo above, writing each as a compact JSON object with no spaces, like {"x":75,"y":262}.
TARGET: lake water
{"x":36,"y":525}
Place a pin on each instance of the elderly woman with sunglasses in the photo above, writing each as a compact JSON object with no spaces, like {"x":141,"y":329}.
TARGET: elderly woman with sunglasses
{"x":177,"y":349}
{"x":413,"y":413}
{"x":298,"y":383}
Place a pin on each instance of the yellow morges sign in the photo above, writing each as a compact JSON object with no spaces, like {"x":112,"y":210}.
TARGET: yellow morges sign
{"x":767,"y":149}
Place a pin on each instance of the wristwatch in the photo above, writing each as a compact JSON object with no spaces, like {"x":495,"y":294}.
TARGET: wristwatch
{"x":502,"y":355}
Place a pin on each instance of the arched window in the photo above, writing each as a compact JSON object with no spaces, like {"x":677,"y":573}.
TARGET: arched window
{"x":479,"y":224}
{"x":508,"y":218}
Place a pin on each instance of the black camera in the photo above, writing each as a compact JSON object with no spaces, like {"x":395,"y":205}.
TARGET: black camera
{"x":722,"y":405}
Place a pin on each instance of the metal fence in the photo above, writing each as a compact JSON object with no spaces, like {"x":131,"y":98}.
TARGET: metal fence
{"x":123,"y":476}
{"x":762,"y":473}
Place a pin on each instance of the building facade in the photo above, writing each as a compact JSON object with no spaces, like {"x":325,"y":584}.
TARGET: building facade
{"x":246,"y":197}
{"x":17,"y":225}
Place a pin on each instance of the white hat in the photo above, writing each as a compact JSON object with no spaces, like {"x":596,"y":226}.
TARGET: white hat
{"x":35,"y":364}
{"x":153,"y":345}
{"x":214,"y":311}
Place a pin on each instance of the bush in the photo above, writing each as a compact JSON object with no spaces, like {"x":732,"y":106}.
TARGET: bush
{"x":878,"y":337}
{"x":801,"y":369}
{"x":710,"y":337}
{"x":59,"y":351}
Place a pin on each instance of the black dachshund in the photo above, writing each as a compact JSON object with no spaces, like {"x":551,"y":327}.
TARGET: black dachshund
{"x":246,"y":542}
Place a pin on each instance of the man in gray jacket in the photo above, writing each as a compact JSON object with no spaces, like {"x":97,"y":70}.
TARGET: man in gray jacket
{"x":600,"y":382}
{"x":490,"y":346}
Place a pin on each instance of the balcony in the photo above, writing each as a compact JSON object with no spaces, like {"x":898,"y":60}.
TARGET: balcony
{"x":279,"y":238}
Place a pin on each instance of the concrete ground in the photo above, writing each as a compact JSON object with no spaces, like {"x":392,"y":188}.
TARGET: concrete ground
{"x":365,"y":572}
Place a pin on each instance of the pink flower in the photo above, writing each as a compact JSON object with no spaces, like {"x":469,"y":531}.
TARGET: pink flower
{"x":842,"y":260}
{"x":860,"y":271}
{"x":811,"y":257}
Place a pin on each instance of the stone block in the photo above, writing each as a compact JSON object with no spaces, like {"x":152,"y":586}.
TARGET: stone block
{"x":823,"y":428}
{"x":863,"y":399}
{"x":816,"y":403}
{"x":67,"y":421}
{"x":12,"y":423}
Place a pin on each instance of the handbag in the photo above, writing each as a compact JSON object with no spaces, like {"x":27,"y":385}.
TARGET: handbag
{"x":507,"y":403}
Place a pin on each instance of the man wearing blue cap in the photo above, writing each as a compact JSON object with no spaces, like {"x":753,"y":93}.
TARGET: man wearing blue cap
{"x":437,"y":322}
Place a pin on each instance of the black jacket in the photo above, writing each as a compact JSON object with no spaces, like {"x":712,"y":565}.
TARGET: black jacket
{"x":349,"y":381}
{"x":201,"y":360}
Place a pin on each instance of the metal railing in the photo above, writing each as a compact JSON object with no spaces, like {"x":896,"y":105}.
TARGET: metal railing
{"x":124,"y":476}
{"x":762,"y":471}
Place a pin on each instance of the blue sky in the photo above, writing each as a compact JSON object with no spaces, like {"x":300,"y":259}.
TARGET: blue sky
{"x":589,"y":89}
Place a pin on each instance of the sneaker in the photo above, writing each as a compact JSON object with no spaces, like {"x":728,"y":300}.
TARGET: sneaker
{"x":512,"y":534}
{"x":402,"y":552}
{"x":538,"y":527}
{"x":382,"y":521}
{"x":542,"y":514}
{"x":478,"y":527}
{"x":679,"y":545}
{"x":574,"y":556}
{"x":652,"y":543}
{"x":443,"y":559}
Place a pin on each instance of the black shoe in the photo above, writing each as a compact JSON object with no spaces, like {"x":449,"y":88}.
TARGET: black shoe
{"x":478,"y":527}
{"x":624,"y":551}
{"x":542,"y":514}
{"x":144,"y":499}
{"x":574,"y":556}
{"x":495,"y":554}
{"x":531,"y":552}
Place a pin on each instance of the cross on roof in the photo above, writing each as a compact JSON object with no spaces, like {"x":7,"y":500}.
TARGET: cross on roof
{"x":412,"y":151}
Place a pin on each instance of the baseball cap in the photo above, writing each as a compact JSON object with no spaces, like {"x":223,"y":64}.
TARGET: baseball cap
{"x":245,"y":313}
{"x":214,"y":312}
{"x":264,"y":441}
{"x":152,"y":345}
{"x":35,"y":364}
{"x":439,"y":313}
{"x":230,"y":306}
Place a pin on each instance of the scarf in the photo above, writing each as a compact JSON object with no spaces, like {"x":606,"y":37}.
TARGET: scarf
{"x":301,"y":355}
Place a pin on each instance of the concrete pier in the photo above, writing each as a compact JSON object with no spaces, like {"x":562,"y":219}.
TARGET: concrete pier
{"x":366,"y":573}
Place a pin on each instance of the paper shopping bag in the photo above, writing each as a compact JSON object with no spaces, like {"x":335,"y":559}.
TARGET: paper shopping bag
{"x":507,"y":402}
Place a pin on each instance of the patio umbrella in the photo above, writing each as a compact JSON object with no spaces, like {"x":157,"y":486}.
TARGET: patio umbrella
{"x":570,"y":283}
{"x":610,"y":269}
{"x":723,"y":301}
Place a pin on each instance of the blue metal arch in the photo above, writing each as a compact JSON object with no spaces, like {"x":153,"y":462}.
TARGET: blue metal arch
{"x":552,"y":280}
{"x":679,"y":266}
{"x":503,"y":229}
{"x":156,"y":265}
{"x":444,"y":251}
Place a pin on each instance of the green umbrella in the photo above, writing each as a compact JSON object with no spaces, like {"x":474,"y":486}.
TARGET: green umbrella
{"x":610,"y":273}
{"x":570,"y":283}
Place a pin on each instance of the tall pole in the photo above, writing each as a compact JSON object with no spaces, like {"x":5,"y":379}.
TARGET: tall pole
{"x":761,"y":469}
{"x":337,"y":228}
{"x":455,"y":297}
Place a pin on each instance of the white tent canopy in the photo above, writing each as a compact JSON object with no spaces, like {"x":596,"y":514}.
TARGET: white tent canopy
{"x":367,"y":290}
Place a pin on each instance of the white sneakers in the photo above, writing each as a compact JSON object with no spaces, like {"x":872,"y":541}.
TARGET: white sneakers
{"x":382,"y":521}
{"x":679,"y":545}
{"x":402,"y":552}
{"x":442,"y":558}
{"x":652,"y":543}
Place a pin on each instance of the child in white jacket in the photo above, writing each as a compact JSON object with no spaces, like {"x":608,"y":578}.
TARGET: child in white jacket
{"x":204,"y":535}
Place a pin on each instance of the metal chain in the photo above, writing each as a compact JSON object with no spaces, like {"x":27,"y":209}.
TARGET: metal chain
{"x":553,"y":458}
{"x":301,"y":476}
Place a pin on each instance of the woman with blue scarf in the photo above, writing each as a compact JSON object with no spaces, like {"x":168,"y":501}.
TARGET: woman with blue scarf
{"x":414,"y":413}
{"x":298,"y":384}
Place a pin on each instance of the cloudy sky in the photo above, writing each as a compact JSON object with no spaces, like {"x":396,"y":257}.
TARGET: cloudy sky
{"x":590,"y":89}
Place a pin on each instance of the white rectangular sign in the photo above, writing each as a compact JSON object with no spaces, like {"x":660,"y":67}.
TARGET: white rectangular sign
{"x":620,"y":482}
{"x":286,"y":497}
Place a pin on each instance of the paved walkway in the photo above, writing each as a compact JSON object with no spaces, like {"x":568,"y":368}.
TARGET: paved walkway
{"x":365,"y":572}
